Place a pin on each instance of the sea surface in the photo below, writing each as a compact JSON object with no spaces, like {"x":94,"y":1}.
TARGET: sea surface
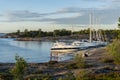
{"x":31,"y":51}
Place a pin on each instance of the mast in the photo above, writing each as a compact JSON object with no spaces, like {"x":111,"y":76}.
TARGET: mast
{"x":72,"y":31}
{"x":90,"y":37}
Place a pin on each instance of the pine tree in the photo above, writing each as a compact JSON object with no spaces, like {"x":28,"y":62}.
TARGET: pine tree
{"x":19,"y":70}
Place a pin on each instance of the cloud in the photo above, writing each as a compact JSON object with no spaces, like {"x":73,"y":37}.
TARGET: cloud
{"x":20,"y":15}
{"x":115,"y":0}
{"x":80,"y":15}
{"x":25,"y":15}
{"x":103,"y":16}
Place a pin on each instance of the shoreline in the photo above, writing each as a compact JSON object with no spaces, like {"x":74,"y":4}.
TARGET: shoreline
{"x":48,"y":38}
{"x":59,"y":68}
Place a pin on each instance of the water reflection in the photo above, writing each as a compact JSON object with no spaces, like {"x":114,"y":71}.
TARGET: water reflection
{"x":60,"y":56}
{"x":35,"y":45}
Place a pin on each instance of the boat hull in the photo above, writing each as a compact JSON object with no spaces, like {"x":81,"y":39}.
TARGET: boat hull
{"x":64,"y":49}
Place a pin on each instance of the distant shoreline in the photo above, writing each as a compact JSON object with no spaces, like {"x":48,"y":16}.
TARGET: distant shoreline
{"x":80,"y":37}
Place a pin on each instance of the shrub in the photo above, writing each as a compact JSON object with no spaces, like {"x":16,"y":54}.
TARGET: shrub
{"x":19,"y":70}
{"x":114,"y":50}
{"x":80,"y":61}
{"x":82,"y":75}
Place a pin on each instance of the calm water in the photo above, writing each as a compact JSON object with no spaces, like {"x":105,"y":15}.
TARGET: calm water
{"x":31,"y":51}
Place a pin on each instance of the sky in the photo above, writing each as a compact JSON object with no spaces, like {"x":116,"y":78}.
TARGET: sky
{"x":58,"y":14}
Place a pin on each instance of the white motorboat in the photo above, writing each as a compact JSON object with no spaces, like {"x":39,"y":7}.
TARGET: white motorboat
{"x":64,"y":47}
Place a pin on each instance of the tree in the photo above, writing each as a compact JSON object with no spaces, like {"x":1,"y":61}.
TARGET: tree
{"x":26,"y":33}
{"x":119,"y":28}
{"x":18,"y":32}
{"x":39,"y":33}
{"x":19,"y":70}
{"x":119,"y":23}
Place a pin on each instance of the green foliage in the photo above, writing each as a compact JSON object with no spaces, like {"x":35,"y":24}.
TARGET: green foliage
{"x":103,"y":76}
{"x":82,"y":75}
{"x":20,"y":67}
{"x":79,"y":62}
{"x":119,"y":28}
{"x":107,"y":60}
{"x":69,"y":76}
{"x":71,"y":66}
{"x":62,"y":32}
{"x":26,"y":32}
{"x":18,"y":32}
{"x":5,"y":76}
{"x":39,"y":33}
{"x":114,"y":50}
{"x":119,"y":23}
{"x":109,"y":34}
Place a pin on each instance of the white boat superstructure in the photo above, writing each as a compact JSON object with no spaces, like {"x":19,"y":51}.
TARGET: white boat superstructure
{"x":67,"y":47}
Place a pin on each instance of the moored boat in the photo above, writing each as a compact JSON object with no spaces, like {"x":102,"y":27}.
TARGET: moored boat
{"x":64,"y":47}
{"x":74,"y":46}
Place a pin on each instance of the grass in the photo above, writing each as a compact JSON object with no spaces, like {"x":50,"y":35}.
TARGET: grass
{"x":107,"y":76}
{"x":107,"y":60}
{"x":6,"y":76}
{"x":79,"y":62}
{"x":114,"y":51}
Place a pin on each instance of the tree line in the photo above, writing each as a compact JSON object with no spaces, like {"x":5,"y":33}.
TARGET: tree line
{"x":112,"y":34}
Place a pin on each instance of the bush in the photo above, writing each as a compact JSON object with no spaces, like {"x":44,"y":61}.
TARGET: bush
{"x":19,"y":70}
{"x":80,"y":61}
{"x":82,"y":75}
{"x":114,"y":50}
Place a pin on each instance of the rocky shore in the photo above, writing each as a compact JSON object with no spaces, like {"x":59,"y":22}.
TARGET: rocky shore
{"x":57,"y":69}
